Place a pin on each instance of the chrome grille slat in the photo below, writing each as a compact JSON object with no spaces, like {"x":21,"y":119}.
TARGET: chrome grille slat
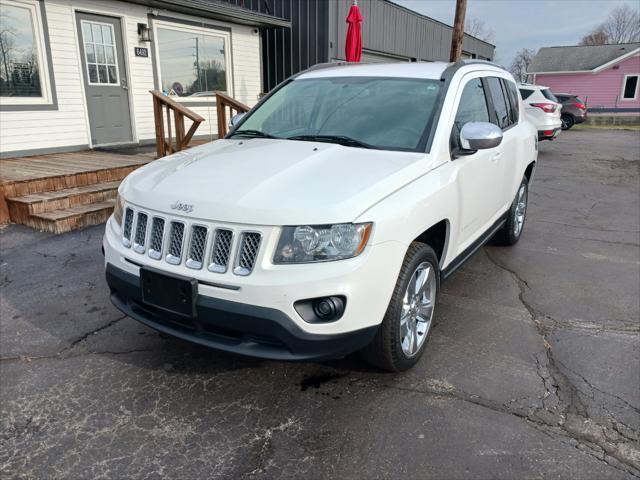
{"x":221,"y":251}
{"x":247,"y":253}
{"x":197,"y":245}
{"x":176,"y":237}
{"x":156,"y":237}
{"x":140,"y":236}
{"x":126,"y":227}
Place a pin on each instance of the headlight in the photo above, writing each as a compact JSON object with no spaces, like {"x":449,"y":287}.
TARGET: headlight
{"x":119,"y":208}
{"x":321,"y":243}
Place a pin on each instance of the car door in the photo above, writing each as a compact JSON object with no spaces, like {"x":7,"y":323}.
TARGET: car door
{"x":509,"y":125}
{"x":479,"y":174}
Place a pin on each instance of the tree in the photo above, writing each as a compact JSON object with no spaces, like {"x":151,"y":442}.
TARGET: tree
{"x":597,"y":36}
{"x":477,"y":28}
{"x":623,"y":25}
{"x":521,"y":63}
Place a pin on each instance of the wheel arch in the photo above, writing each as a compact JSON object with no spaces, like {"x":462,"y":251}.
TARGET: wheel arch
{"x":529,"y":171}
{"x":437,"y":237}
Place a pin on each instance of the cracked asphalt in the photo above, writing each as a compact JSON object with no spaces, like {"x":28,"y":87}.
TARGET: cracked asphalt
{"x":532,"y":370}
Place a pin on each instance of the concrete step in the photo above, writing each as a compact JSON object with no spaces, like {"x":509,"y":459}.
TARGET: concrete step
{"x":26,"y":205}
{"x":72,"y":218}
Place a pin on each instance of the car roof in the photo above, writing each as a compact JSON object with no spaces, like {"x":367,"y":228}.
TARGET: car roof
{"x":532,"y":87}
{"x":427,"y":70}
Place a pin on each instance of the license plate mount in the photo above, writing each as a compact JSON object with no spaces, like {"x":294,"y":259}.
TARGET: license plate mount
{"x":172,"y":293}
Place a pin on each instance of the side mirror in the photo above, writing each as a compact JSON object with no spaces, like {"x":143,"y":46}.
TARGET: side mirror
{"x":236,"y":119}
{"x":479,"y":136}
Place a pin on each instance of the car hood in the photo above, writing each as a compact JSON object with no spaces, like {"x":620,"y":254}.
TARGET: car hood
{"x":272,"y":181}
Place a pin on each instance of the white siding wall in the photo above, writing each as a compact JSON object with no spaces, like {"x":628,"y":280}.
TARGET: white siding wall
{"x":68,"y":126}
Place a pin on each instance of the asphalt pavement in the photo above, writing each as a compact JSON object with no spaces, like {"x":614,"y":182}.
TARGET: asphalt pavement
{"x":532,"y":370}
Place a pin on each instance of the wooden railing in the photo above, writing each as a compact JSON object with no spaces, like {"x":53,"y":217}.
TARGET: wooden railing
{"x":224,"y":102}
{"x":166,"y":145}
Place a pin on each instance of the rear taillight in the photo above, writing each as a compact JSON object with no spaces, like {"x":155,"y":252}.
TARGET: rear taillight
{"x":580,"y":105}
{"x":545,"y":107}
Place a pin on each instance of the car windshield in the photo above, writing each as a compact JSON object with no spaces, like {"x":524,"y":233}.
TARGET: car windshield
{"x":373,"y":112}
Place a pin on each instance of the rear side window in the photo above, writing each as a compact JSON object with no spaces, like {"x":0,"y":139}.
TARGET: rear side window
{"x":525,"y":93}
{"x":562,"y":98}
{"x":500,"y":103}
{"x":512,"y":93}
{"x":548,"y":95}
{"x":473,"y":105}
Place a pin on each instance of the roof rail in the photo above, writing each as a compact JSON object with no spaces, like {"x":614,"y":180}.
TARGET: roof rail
{"x":454,"y":67}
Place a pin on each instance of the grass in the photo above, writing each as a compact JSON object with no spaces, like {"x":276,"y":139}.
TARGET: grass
{"x":586,"y":126}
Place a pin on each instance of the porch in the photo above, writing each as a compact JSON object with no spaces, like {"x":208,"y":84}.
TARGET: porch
{"x":66,"y":191}
{"x":62,"y":192}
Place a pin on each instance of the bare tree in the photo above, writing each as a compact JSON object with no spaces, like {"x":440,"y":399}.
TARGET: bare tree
{"x":597,"y":36}
{"x":477,"y":28}
{"x":521,"y":63}
{"x":623,"y":25}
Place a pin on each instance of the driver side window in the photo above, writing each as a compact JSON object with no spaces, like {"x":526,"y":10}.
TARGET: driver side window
{"x":472,"y":108}
{"x":473,"y":105}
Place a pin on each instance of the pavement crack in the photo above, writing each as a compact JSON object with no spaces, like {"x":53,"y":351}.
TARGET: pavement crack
{"x":573,"y":413}
{"x":82,"y":338}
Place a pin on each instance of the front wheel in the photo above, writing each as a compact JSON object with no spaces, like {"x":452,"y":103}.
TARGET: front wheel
{"x":402,"y":336}
{"x":511,"y":231}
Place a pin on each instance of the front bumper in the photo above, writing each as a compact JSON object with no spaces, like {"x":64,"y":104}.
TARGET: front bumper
{"x":235,"y":327}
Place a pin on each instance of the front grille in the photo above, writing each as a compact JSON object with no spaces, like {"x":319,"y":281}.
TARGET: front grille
{"x":141,"y":233}
{"x":155,"y":238}
{"x":221,"y":251}
{"x":197,"y":246}
{"x":247,"y":253}
{"x":126,"y":228}
{"x":177,"y":240}
{"x":176,"y":235}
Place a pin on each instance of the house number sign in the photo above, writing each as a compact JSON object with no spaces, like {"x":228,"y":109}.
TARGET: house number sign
{"x":141,"y":51}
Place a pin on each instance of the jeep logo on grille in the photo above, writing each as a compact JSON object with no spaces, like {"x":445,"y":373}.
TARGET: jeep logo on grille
{"x":184,"y":207}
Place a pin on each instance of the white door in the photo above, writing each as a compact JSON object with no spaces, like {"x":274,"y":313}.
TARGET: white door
{"x":507,"y":120}
{"x":480,"y":174}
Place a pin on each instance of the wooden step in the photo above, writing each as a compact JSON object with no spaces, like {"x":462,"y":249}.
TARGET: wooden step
{"x":24,"y":206}
{"x":63,"y":182}
{"x":72,"y":218}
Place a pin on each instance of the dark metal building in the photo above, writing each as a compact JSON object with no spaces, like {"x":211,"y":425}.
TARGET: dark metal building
{"x":318,"y":31}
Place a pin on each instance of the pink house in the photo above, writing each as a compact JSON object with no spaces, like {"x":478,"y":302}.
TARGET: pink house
{"x":606,"y":77}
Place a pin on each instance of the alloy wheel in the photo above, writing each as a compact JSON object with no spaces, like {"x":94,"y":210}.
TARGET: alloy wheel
{"x":521,"y":210}
{"x":417,"y":309}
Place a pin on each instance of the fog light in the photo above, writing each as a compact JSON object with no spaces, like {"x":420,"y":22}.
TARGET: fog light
{"x":324,"y":309}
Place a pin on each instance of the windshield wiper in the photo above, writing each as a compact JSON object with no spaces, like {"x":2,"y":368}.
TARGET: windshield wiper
{"x":252,"y":133}
{"x":339,"y":139}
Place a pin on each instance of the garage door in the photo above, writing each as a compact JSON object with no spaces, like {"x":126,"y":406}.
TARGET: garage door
{"x":371,"y":57}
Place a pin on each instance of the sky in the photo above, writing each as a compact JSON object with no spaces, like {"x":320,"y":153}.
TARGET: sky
{"x":526,"y":23}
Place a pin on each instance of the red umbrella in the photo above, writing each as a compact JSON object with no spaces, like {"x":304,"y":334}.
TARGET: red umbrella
{"x":353,"y":47}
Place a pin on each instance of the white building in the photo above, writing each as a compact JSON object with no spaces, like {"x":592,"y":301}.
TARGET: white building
{"x":76,"y":74}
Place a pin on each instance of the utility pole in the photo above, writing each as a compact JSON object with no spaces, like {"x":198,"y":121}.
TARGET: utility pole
{"x":458,"y":31}
{"x":198,"y":64}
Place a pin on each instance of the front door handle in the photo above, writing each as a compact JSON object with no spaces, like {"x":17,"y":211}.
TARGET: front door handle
{"x":123,"y":84}
{"x":496,"y":157}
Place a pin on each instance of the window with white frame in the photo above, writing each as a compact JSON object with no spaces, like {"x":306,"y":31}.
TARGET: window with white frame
{"x":24,"y":75}
{"x":193,"y":62}
{"x":630,"y":87}
{"x":100,"y":53}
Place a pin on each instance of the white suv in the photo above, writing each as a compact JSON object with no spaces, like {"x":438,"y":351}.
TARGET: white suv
{"x":542,"y":109}
{"x":326,"y":220}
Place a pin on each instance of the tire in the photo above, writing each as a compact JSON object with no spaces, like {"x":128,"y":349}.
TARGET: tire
{"x":512,"y":230}
{"x":392,"y":349}
{"x":567,"y":121}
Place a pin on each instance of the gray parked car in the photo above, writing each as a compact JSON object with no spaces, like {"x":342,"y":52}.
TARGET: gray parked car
{"x":573,"y":111}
